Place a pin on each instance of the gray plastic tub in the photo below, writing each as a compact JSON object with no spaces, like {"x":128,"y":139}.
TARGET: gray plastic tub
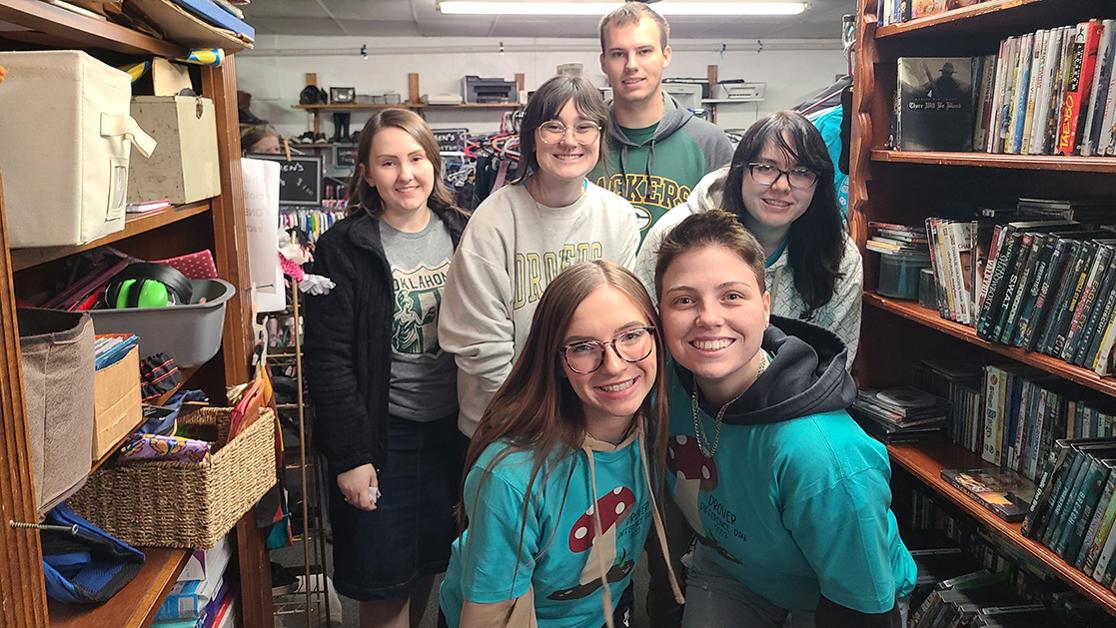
{"x":191,"y":334}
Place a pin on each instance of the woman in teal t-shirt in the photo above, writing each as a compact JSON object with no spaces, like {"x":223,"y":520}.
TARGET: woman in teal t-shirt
{"x":788,"y":497}
{"x":559,"y":495}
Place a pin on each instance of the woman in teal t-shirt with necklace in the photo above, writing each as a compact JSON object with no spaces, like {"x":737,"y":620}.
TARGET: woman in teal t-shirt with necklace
{"x":788,"y":497}
{"x":559,"y":496}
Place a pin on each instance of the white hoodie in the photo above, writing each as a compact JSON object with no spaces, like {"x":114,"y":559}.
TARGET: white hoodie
{"x":841,"y":315}
{"x":510,"y":251}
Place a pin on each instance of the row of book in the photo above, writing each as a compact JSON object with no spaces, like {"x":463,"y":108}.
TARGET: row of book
{"x":1050,"y":92}
{"x":970,"y":577}
{"x":899,"y":11}
{"x":1040,"y":285}
{"x":1073,"y":510}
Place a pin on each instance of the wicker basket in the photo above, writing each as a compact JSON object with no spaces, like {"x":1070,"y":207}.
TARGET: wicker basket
{"x":182,"y":504}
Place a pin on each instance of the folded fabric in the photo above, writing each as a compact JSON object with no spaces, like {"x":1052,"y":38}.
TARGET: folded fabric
{"x":157,"y":447}
{"x":197,"y":265}
{"x":159,"y":374}
{"x":89,"y":566}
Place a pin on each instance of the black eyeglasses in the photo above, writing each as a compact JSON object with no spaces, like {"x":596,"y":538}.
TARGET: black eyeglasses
{"x":630,"y":345}
{"x":766,"y":174}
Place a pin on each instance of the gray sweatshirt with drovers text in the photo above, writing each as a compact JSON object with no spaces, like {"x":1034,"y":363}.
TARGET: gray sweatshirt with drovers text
{"x":511,"y":250}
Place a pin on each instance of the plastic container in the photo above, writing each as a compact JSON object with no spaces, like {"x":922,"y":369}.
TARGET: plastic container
{"x":899,"y":275}
{"x":191,"y":334}
{"x":927,"y":289}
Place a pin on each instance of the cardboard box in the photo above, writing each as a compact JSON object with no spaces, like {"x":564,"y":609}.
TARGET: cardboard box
{"x":117,"y":408}
{"x":183,"y":168}
{"x":208,"y":563}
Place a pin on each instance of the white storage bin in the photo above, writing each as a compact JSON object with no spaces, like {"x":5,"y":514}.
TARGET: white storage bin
{"x":183,"y":169}
{"x":65,"y":139}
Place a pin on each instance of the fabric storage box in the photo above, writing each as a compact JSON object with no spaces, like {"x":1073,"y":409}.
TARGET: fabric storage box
{"x":56,"y":353}
{"x":67,"y":136}
{"x":170,"y":503}
{"x":117,"y":407}
{"x":183,"y":168}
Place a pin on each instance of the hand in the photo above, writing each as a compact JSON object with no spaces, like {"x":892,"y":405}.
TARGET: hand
{"x":354,"y":485}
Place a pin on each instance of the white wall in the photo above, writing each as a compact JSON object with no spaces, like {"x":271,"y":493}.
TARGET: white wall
{"x":274,"y":73}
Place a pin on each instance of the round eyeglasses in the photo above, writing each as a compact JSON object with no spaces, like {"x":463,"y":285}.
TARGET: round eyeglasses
{"x":630,"y":345}
{"x":584,"y":132}
{"x":766,"y":174}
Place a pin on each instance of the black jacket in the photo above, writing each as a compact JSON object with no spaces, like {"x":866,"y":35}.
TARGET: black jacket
{"x":348,"y":340}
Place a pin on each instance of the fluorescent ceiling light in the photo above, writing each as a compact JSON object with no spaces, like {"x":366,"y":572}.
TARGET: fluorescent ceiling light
{"x":492,"y":7}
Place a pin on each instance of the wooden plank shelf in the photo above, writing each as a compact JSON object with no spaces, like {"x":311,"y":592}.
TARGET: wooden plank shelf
{"x":1049,"y":163}
{"x":69,"y":30}
{"x":134,"y":224}
{"x":912,"y":311}
{"x":405,"y":105}
{"x":925,"y":462}
{"x":136,"y":604}
{"x":997,"y":19}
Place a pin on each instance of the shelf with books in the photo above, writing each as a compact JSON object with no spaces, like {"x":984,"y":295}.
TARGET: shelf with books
{"x":925,"y":462}
{"x":912,"y":311}
{"x":1103,"y":165}
{"x":993,"y":17}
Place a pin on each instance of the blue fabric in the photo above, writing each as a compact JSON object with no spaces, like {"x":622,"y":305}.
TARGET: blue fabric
{"x":795,"y":509}
{"x":90,"y":567}
{"x":490,"y":563}
{"x":828,"y":122}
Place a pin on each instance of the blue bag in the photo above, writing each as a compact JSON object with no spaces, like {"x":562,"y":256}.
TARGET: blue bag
{"x":90,"y":566}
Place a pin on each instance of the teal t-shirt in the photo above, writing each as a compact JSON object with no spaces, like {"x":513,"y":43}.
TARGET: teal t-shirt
{"x":491,"y":562}
{"x":795,"y":509}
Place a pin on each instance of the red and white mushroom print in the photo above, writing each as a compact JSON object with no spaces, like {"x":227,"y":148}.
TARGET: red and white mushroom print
{"x":684,"y":458}
{"x":613,"y":507}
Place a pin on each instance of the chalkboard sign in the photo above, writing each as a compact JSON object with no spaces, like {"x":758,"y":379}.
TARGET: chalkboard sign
{"x":300,"y":178}
{"x":450,"y":140}
{"x":345,"y":155}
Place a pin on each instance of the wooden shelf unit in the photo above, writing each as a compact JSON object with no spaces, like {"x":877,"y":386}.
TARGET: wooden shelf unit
{"x":906,"y":187}
{"x":1106,"y":165}
{"x":137,"y":603}
{"x":405,"y":105}
{"x":912,"y":311}
{"x":925,"y":462}
{"x":22,"y":592}
{"x":134,"y":224}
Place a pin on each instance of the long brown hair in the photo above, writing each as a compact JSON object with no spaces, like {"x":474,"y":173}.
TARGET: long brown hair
{"x":364,"y":197}
{"x":536,"y":410}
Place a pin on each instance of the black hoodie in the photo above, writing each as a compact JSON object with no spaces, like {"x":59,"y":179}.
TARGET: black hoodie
{"x":795,"y":498}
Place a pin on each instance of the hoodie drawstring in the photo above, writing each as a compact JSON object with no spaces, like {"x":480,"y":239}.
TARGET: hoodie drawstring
{"x":606,"y":599}
{"x":660,"y":531}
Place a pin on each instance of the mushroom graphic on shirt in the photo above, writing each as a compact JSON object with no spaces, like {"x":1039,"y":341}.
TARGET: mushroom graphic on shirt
{"x":694,"y":473}
{"x":614,"y":507}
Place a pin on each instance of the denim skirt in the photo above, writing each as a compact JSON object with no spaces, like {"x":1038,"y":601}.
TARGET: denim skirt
{"x":381,"y":554}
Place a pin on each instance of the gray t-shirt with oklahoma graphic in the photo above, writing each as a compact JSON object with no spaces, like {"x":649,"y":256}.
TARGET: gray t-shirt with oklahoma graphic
{"x":423,"y":377}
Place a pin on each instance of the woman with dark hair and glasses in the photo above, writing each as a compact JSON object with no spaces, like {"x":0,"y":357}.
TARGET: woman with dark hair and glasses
{"x":563,"y":470}
{"x":780,"y":186}
{"x":524,"y":234}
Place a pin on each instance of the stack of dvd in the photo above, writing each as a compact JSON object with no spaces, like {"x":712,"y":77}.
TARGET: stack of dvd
{"x":901,"y":414}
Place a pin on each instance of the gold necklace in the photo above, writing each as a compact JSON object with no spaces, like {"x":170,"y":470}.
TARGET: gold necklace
{"x":709,"y":449}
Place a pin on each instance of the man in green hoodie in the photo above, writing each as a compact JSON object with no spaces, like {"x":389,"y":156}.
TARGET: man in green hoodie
{"x":657,"y":151}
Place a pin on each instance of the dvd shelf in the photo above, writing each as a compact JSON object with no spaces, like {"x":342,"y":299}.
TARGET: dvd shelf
{"x":907,"y":187}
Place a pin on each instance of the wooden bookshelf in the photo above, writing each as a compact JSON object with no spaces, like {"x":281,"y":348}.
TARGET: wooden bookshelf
{"x":925,"y":461}
{"x":1105,"y":165}
{"x":136,"y":605}
{"x":134,"y":224}
{"x":58,"y":28}
{"x":994,"y":18}
{"x":907,"y":186}
{"x":912,"y":311}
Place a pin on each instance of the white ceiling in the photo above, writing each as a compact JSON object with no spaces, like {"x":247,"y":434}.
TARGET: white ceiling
{"x":420,"y":18}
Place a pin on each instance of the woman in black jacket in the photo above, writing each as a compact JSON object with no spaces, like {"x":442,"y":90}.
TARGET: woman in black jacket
{"x":384,"y":392}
